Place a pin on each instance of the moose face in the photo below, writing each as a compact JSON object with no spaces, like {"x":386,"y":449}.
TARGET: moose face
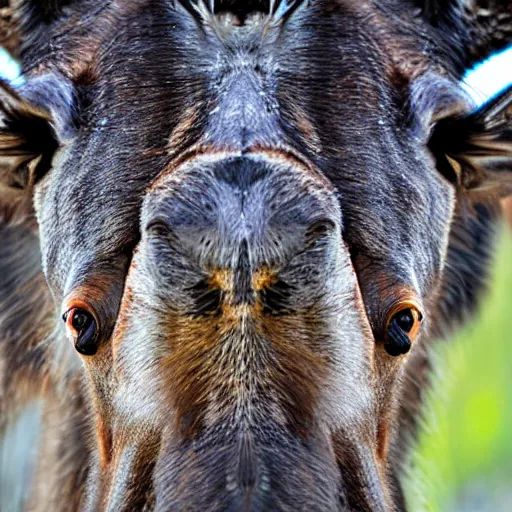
{"x":243,"y":269}
{"x":244,"y":219}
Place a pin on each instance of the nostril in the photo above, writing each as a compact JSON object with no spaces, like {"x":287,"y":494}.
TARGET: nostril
{"x":276,"y":297}
{"x":207,"y":299}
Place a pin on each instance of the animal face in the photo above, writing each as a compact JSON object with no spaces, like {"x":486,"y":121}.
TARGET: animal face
{"x":244,"y":215}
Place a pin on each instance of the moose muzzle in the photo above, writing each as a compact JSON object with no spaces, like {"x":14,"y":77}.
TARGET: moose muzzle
{"x":246,"y":293}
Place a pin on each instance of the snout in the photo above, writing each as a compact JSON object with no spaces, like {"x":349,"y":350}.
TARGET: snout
{"x":264,"y":349}
{"x":213,"y":205}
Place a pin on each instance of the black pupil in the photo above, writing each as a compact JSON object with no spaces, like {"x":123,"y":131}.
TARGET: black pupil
{"x":81,"y":320}
{"x":405,"y":320}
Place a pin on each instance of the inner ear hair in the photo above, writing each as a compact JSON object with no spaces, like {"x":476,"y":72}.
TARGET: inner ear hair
{"x":34,"y":121}
{"x":476,"y":149}
{"x":27,"y":139}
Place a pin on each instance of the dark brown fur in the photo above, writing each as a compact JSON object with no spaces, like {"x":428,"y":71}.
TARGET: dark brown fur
{"x":242,"y":198}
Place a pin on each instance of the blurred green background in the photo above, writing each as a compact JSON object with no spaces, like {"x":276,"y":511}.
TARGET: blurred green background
{"x":464,"y":457}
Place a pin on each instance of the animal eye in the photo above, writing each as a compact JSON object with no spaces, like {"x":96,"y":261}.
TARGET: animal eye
{"x":405,"y":320}
{"x":402,"y":329}
{"x":83,"y":327}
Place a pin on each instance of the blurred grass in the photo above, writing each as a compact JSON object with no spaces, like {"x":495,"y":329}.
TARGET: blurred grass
{"x":464,"y":457}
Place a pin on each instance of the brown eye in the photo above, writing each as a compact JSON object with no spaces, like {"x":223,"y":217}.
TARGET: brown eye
{"x":82,"y":325}
{"x":402,"y":329}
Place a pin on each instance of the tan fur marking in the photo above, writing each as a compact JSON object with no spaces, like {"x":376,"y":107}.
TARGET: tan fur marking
{"x":222,"y":279}
{"x":104,"y":437}
{"x":382,"y":439}
{"x":204,"y":353}
{"x":192,"y":367}
{"x":263,"y":278}
{"x":300,"y":367}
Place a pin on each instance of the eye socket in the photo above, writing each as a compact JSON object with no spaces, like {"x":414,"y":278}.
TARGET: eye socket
{"x":402,"y":329}
{"x":84,"y":329}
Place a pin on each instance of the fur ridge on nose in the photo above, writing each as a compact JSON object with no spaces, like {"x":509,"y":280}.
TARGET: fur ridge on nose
{"x":250,"y":286}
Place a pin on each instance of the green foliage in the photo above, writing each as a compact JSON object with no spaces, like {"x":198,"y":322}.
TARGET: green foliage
{"x":464,"y":461}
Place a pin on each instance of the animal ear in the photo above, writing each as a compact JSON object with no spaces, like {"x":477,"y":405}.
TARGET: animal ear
{"x":34,"y":121}
{"x":475,"y":151}
{"x":470,"y":30}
